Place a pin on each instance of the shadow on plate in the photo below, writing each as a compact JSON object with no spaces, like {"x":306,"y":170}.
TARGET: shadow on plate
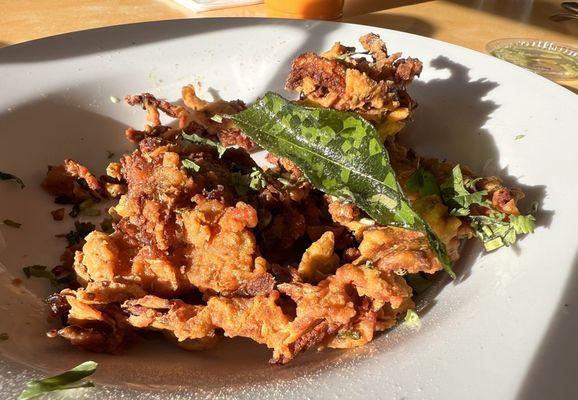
{"x":552,"y":374}
{"x":113,"y":38}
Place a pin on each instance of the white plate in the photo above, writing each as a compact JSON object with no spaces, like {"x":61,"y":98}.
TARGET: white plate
{"x":505,"y":328}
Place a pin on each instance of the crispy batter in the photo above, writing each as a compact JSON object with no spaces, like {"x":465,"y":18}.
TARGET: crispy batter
{"x":151,"y":104}
{"x":319,"y":260}
{"x":79,"y":171}
{"x":225,"y":131}
{"x":200,"y":251}
{"x":399,"y":250}
{"x":223,"y":255}
{"x":375,"y":90}
{"x":321,"y":311}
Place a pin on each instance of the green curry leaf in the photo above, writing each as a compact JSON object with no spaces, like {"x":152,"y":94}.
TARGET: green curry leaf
{"x":40,"y":271}
{"x":67,"y":380}
{"x":341,"y":154}
{"x":4,"y":176}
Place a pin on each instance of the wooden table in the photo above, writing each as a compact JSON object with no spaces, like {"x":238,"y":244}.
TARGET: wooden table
{"x":468,"y":23}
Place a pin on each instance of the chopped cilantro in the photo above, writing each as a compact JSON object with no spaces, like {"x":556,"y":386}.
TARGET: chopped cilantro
{"x":194,"y":138}
{"x":40,"y":271}
{"x":218,"y":118}
{"x":109,"y":154}
{"x":495,"y":232}
{"x":412,"y":319}
{"x":81,"y":229}
{"x":4,"y":176}
{"x":354,"y":335}
{"x":255,"y":180}
{"x":422,"y":182}
{"x":495,"y":229}
{"x":190,"y":165}
{"x":12,"y":224}
{"x":518,"y":137}
{"x":457,"y":196}
{"x":87,"y":208}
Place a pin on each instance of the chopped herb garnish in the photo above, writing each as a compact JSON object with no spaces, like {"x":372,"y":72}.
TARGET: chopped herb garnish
{"x":457,"y":196}
{"x":217,"y":118}
{"x":412,"y":319}
{"x":67,"y":380}
{"x":495,"y":229}
{"x":4,"y":176}
{"x":194,"y":138}
{"x":4,"y":336}
{"x":12,"y":224}
{"x":518,"y":137}
{"x":254,"y":180}
{"x":190,"y":165}
{"x":88,"y":208}
{"x":422,"y":182}
{"x":109,"y":154}
{"x":353,"y":335}
{"x":79,"y":233}
{"x":257,"y":179}
{"x":40,"y":271}
{"x":341,"y":154}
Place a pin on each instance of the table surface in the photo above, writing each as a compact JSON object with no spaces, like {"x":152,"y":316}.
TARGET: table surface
{"x":468,"y":23}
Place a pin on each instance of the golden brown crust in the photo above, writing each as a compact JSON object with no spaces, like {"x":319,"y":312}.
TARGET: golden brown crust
{"x":375,"y":90}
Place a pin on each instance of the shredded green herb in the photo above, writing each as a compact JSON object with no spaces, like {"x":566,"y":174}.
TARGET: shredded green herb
{"x":190,"y":165}
{"x":254,"y":180}
{"x":68,"y":380}
{"x":341,"y":154}
{"x":412,"y":319}
{"x":88,"y":208}
{"x":457,"y":196}
{"x":4,"y":176}
{"x":81,"y":229}
{"x":40,"y":271}
{"x":495,"y":229}
{"x":354,"y":335}
{"x":109,"y":154}
{"x":422,"y":182}
{"x":194,"y":138}
{"x":12,"y":224}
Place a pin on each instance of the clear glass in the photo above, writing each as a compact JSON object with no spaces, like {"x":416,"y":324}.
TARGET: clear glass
{"x":550,"y":59}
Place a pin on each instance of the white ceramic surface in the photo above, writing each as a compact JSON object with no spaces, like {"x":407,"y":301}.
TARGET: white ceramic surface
{"x":506,"y":328}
